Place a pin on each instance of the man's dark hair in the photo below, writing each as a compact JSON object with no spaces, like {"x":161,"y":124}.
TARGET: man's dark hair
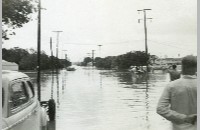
{"x":189,"y":65}
{"x":174,"y":66}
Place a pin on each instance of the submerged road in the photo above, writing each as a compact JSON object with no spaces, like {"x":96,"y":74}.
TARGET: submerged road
{"x":91,"y":99}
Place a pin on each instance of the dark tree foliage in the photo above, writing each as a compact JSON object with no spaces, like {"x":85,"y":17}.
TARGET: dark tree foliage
{"x":106,"y":63}
{"x":152,"y":59}
{"x":14,"y":54}
{"x":15,"y":13}
{"x":65,"y":62}
{"x":27,"y":60}
{"x":136,"y":58}
{"x":86,"y":61}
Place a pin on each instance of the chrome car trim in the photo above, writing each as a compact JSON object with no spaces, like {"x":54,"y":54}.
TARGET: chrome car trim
{"x":23,"y":119}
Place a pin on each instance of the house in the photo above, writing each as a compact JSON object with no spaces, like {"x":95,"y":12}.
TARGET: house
{"x":168,"y":61}
{"x":164,"y":63}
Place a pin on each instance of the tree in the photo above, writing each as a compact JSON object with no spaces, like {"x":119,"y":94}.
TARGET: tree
{"x":106,"y":63}
{"x":15,"y":13}
{"x":65,"y":62}
{"x":28,"y":61}
{"x":152,"y":59}
{"x":14,"y":54}
{"x":86,"y":61}
{"x":136,"y":58}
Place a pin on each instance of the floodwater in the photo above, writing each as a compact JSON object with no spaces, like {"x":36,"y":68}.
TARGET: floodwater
{"x":91,"y":99}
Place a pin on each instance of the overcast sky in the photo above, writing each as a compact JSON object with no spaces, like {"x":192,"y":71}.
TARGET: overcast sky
{"x":113,"y":24}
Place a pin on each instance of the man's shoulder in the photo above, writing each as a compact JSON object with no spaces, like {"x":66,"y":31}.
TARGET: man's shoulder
{"x":180,"y":82}
{"x":176,"y":82}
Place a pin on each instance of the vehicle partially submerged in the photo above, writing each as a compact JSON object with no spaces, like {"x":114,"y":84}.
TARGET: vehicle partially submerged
{"x":70,"y":68}
{"x":21,"y":109}
{"x":138,"y":69}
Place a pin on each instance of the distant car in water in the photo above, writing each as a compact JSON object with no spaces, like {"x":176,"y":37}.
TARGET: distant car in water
{"x":70,"y":68}
{"x":138,"y":69}
{"x":20,"y":108}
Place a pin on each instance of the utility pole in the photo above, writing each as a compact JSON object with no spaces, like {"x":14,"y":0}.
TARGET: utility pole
{"x":51,"y":49}
{"x":64,"y":54}
{"x":57,"y":44}
{"x":38,"y":50}
{"x":88,"y":54}
{"x":93,"y":57}
{"x":145,"y":27}
{"x":145,"y":30}
{"x":100,"y":50}
{"x":52,"y":67}
{"x":65,"y":57}
{"x":51,"y":46}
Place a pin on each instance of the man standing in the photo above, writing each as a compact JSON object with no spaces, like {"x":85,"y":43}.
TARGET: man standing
{"x":174,"y":74}
{"x":178,"y":102}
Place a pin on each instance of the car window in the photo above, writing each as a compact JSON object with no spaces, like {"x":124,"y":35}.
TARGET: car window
{"x":18,"y":96}
{"x":30,"y":89}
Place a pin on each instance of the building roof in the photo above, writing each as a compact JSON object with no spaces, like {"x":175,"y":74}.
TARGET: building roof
{"x":171,"y":58}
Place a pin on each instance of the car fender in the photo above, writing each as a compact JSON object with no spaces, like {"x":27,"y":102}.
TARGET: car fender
{"x":4,"y":124}
{"x":43,"y":117}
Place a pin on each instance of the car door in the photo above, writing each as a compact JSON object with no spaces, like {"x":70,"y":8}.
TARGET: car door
{"x":23,"y":108}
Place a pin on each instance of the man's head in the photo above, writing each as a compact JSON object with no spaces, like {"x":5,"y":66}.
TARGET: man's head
{"x":174,"y":66}
{"x":189,"y":65}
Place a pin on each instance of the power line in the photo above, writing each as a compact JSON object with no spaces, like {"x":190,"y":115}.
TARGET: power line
{"x":129,"y":42}
{"x":168,"y":45}
{"x":169,"y":42}
{"x":105,"y":43}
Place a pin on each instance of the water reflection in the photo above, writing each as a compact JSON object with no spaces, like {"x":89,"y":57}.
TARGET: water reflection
{"x":57,"y":86}
{"x":64,"y":78}
{"x":101,"y":79}
{"x":52,"y":83}
{"x":90,"y":99}
{"x":132,"y":80}
{"x":142,"y":86}
{"x":147,"y":100}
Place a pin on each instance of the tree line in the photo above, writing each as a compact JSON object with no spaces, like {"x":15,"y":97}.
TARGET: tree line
{"x":124,"y":61}
{"x":27,"y":59}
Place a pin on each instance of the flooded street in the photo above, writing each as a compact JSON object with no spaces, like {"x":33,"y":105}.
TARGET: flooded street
{"x":129,"y":37}
{"x":91,"y":99}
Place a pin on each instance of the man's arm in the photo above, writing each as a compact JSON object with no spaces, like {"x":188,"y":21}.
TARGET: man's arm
{"x":163,"y":108}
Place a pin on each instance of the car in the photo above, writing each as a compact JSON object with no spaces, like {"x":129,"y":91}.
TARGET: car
{"x":21,"y":109}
